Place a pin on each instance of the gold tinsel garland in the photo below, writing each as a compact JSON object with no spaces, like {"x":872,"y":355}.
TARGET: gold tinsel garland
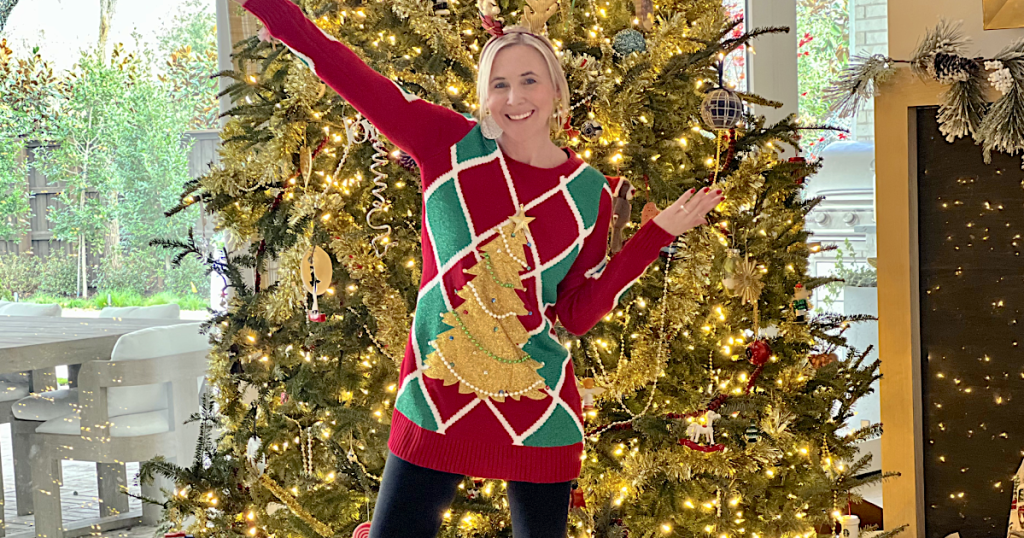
{"x":321,"y":528}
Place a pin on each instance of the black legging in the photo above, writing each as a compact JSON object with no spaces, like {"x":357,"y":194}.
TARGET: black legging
{"x":413,"y":500}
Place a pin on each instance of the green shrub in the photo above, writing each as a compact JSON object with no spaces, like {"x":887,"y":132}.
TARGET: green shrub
{"x":64,"y":302}
{"x":104,"y":298}
{"x":19,"y":274}
{"x":60,"y":275}
{"x":188,"y":301}
{"x":137,"y":271}
{"x":194,"y":302}
{"x":179,"y":280}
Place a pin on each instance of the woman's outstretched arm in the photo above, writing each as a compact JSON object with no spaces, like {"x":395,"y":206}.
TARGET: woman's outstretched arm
{"x":593,"y":286}
{"x":419,"y":128}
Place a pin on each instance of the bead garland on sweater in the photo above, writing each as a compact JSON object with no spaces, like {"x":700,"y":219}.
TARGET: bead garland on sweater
{"x":499,"y":394}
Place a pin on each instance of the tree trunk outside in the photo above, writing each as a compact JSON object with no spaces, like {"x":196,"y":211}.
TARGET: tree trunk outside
{"x":83,"y":267}
{"x":107,"y":8}
{"x":112,"y":243}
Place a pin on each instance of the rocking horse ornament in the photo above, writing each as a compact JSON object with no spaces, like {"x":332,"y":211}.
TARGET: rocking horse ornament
{"x":703,"y":429}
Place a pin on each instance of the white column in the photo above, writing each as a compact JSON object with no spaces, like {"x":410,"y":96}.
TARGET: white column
{"x":772,"y":72}
{"x":224,"y":48}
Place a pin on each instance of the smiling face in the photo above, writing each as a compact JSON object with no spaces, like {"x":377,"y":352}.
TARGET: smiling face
{"x":521,"y":96}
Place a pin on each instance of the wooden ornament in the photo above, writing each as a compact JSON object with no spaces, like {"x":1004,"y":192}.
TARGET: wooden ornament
{"x":820,"y":360}
{"x":649,"y":212}
{"x":306,"y":163}
{"x":316,"y":263}
{"x":644,"y":13}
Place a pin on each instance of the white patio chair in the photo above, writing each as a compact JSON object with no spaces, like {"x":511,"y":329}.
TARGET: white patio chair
{"x":30,"y":309}
{"x":43,"y":406}
{"x":17,"y":385}
{"x":131,"y":408}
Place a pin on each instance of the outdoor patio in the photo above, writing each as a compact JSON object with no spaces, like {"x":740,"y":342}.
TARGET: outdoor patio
{"x":79,"y":496}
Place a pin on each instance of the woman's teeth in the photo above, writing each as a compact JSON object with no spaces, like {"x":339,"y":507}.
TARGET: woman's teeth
{"x":520,"y":116}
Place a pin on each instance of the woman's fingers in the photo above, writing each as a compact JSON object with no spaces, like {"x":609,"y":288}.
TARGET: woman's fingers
{"x":701,"y":202}
{"x":684,"y":198}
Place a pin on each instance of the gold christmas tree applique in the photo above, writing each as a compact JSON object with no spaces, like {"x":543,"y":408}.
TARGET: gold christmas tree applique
{"x":483,"y":350}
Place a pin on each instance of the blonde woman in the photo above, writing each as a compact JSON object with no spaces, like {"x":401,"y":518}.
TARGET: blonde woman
{"x":478,"y":412}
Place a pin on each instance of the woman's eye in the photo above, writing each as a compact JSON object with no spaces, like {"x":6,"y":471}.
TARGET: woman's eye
{"x":499,"y":85}
{"x":530,"y":81}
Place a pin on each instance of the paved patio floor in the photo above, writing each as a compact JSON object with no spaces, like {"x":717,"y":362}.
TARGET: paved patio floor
{"x":79,"y":495}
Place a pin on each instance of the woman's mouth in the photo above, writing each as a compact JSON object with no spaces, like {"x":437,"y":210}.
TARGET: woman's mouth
{"x":520,"y":117}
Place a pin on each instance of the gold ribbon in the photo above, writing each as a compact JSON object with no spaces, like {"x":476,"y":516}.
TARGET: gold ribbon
{"x":321,"y":528}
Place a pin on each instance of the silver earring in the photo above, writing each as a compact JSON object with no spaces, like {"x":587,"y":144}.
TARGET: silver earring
{"x":489,"y":128}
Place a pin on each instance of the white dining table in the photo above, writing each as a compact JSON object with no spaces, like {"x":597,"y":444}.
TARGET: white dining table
{"x":30,"y":343}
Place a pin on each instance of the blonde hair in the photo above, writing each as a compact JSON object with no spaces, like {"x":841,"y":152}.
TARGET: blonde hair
{"x":519,"y":35}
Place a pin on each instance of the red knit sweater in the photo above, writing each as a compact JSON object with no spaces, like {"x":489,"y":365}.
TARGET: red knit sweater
{"x":470,"y":189}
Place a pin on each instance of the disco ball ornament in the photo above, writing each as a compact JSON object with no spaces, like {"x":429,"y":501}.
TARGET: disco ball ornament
{"x":629,"y":41}
{"x":721,"y":109}
{"x":591,"y":129}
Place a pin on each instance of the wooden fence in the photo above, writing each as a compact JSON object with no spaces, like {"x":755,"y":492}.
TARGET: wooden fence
{"x":43,"y":197}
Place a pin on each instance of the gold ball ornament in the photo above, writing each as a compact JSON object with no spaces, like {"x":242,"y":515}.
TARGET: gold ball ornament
{"x":316,"y":263}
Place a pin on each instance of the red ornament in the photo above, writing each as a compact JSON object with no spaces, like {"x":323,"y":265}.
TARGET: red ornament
{"x":493,"y":26}
{"x":569,"y":131}
{"x":799,"y":175}
{"x":362,"y":531}
{"x":317,"y":317}
{"x":758,"y":353}
{"x":578,"y":500}
{"x":699,"y":448}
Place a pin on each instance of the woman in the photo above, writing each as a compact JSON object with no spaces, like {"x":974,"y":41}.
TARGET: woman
{"x":494,"y":190}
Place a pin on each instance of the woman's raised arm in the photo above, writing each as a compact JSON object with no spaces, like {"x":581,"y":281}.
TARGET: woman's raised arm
{"x":419,"y":128}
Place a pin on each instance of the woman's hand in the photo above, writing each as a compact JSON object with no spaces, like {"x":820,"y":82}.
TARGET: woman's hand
{"x":689,"y":210}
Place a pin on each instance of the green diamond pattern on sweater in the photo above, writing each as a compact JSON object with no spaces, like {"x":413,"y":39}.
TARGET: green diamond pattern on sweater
{"x":432,"y":301}
{"x":447,"y":222}
{"x":587,"y":197}
{"x":543,"y":345}
{"x":558,"y":430}
{"x":413,"y":404}
{"x":474,"y":145}
{"x":554,"y":274}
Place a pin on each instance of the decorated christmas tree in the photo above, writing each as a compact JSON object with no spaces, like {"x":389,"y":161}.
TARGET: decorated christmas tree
{"x":715,"y":403}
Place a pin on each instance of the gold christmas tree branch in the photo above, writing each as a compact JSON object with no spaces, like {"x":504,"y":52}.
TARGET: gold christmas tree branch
{"x":321,"y":528}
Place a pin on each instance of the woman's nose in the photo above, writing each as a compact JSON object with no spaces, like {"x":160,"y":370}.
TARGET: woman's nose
{"x":512,"y":96}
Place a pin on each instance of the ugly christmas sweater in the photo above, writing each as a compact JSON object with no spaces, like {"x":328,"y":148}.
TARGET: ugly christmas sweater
{"x":509,"y":249}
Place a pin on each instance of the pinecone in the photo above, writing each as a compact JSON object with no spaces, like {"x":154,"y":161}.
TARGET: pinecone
{"x":950,"y":68}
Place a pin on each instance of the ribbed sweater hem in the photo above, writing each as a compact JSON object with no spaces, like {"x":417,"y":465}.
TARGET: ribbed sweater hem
{"x":480,"y":459}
